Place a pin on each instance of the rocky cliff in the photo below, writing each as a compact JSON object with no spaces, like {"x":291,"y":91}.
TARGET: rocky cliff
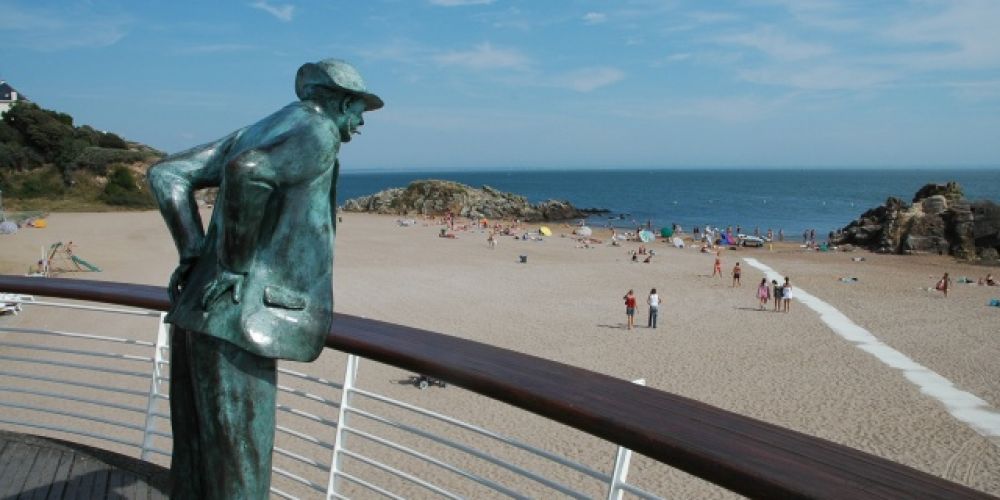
{"x":939,"y":220}
{"x":437,"y":197}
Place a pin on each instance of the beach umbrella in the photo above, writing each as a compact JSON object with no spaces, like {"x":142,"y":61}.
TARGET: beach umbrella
{"x":666,"y":232}
{"x":584,"y":231}
{"x":545,"y":231}
{"x":646,"y":236}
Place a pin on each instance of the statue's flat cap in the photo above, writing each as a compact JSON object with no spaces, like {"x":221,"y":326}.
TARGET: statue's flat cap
{"x":335,"y":74}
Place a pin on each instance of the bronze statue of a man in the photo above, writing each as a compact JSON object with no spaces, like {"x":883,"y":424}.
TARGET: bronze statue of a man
{"x":257,"y":286}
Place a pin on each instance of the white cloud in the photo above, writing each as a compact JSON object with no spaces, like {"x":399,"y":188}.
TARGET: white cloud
{"x":459,"y":3}
{"x":683,"y":56}
{"x":976,"y":91}
{"x":484,"y":57}
{"x":823,"y":77}
{"x":960,"y":34}
{"x":49,"y":30}
{"x":776,"y":45}
{"x":825,"y":14}
{"x":594,"y":18}
{"x":282,"y":12}
{"x":588,"y":79}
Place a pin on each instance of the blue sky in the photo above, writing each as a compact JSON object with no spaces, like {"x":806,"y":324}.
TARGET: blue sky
{"x":527,"y":84}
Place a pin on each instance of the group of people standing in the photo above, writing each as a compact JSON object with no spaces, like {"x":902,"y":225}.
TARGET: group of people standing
{"x":781,"y":293}
{"x":653,"y":301}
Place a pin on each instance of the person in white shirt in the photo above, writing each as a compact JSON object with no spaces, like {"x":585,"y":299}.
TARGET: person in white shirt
{"x":654,"y":308}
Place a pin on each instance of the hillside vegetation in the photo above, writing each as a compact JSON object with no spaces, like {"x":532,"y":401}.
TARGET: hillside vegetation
{"x":47,"y":163}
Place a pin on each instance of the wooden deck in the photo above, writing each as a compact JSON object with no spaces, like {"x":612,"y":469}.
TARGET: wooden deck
{"x":33,"y":467}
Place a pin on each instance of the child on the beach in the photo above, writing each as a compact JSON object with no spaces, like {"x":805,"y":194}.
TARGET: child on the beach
{"x":763,"y":293}
{"x":942,"y":284}
{"x":786,"y":294}
{"x":777,"y":294}
{"x":736,"y":275}
{"x":718,"y":264}
{"x":630,"y":308}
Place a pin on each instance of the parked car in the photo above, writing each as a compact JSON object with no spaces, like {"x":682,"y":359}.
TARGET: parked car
{"x":751,"y":241}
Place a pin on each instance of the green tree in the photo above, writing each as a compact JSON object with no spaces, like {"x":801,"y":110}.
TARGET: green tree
{"x":123,"y":190}
{"x":110,"y":140}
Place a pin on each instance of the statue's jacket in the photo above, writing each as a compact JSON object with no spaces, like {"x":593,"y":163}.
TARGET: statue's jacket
{"x":273,"y":223}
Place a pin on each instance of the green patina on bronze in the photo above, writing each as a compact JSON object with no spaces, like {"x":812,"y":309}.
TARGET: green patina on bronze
{"x":257,"y":285}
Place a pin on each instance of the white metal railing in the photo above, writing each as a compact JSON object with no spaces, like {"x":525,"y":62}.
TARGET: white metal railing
{"x":330,"y":441}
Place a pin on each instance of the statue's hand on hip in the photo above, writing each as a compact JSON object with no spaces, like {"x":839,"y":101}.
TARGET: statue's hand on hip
{"x":226,"y":281}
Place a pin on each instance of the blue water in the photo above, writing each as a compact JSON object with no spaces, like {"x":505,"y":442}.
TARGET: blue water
{"x":792,"y":200}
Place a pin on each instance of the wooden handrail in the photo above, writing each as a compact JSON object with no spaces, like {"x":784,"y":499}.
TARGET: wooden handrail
{"x":746,"y":455}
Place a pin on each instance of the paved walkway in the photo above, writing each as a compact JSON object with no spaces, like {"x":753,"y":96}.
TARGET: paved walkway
{"x":33,"y":467}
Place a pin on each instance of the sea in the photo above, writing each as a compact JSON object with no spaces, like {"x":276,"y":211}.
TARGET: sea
{"x":792,"y":200}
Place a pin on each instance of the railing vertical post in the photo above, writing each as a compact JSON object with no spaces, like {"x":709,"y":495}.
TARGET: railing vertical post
{"x":350,"y":375}
{"x":162,"y":339}
{"x":622,"y":460}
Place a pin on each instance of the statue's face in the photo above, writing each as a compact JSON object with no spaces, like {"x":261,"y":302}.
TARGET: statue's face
{"x":351,"y":119}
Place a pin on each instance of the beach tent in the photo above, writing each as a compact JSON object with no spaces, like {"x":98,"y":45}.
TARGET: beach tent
{"x":646,"y":236}
{"x":8,"y":227}
{"x":584,"y":231}
{"x":545,"y":231}
{"x":679,"y":243}
{"x":666,"y":232}
{"x":39,"y":223}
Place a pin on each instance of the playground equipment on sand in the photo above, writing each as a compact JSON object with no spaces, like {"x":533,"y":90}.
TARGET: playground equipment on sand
{"x":59,"y":258}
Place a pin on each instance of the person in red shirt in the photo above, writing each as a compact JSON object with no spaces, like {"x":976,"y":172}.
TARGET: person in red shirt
{"x":630,"y":308}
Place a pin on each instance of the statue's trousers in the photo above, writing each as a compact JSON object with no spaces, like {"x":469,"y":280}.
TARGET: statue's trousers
{"x":222,"y":405}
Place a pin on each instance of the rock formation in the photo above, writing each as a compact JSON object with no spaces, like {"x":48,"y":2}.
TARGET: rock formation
{"x":437,"y":197}
{"x":940,"y":220}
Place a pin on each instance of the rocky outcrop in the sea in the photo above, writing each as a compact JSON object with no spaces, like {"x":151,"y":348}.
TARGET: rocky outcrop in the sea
{"x":939,"y":220}
{"x":437,"y":197}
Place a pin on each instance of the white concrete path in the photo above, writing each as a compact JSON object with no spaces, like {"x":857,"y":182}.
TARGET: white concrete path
{"x":964,"y":406}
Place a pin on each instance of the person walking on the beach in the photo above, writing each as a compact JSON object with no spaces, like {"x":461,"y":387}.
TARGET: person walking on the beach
{"x":630,"y":308}
{"x":781,"y":234}
{"x":654,"y":308}
{"x":736,"y":275}
{"x":718,"y":264}
{"x":763,"y":293}
{"x":776,"y":289}
{"x":942,"y":284}
{"x":786,"y":294}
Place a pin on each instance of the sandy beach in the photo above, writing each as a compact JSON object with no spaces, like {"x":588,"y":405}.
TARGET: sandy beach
{"x":803,"y":369}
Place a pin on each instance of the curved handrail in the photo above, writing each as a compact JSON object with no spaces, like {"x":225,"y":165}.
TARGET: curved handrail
{"x":740,"y":453}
